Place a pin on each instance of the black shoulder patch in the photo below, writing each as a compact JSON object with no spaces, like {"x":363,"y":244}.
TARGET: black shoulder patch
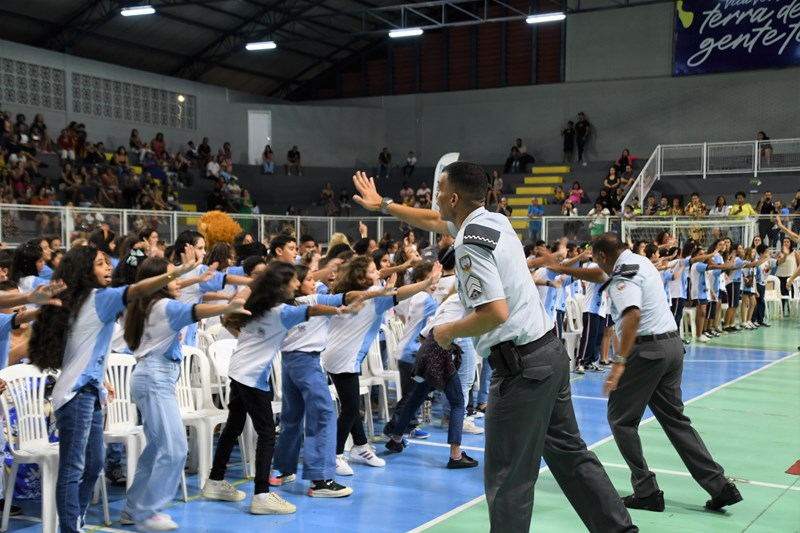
{"x":626,"y":271}
{"x":482,"y":236}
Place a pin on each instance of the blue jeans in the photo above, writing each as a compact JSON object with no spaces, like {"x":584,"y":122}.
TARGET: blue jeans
{"x":161,"y":463}
{"x":80,"y":449}
{"x":466,"y":373}
{"x":114,"y":456}
{"x":486,"y":379}
{"x":306,"y":394}
{"x":268,"y":167}
{"x":454,"y":395}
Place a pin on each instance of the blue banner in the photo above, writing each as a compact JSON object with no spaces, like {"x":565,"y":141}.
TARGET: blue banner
{"x":728,"y":35}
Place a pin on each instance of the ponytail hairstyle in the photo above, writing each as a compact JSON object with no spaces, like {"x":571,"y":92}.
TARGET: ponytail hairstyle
{"x":102,"y":239}
{"x":49,"y":337}
{"x":188,"y":237}
{"x":221,"y":254}
{"x":351,"y":275}
{"x":139,"y":309}
{"x":24,"y":261}
{"x":266,"y":292}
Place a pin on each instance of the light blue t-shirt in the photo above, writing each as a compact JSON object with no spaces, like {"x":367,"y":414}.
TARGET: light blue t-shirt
{"x":161,"y":336}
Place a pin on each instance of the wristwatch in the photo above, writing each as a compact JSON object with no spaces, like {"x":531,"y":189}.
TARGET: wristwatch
{"x":385,"y":203}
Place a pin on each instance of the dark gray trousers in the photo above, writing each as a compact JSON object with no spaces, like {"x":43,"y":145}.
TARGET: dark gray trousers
{"x":531,"y":415}
{"x":653,"y":378}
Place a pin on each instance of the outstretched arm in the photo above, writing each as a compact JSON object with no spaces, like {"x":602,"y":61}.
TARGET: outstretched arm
{"x":369,"y":198}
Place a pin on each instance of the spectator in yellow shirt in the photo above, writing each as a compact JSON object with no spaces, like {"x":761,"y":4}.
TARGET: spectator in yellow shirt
{"x":742,"y":208}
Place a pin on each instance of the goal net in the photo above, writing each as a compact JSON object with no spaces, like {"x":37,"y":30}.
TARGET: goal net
{"x":705,"y":230}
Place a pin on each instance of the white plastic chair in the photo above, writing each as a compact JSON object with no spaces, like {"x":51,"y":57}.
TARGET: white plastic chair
{"x":121,"y":420}
{"x":207,"y":336}
{"x":688,"y":322}
{"x":201,"y":416}
{"x":574,"y":316}
{"x":219,"y":354}
{"x":369,"y":380}
{"x":571,"y":340}
{"x":25,"y":388}
{"x":392,"y":341}
{"x":772,"y":297}
{"x":375,"y":362}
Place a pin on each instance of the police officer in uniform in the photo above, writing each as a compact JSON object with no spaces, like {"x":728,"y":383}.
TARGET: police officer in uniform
{"x":648,"y":373}
{"x":530,"y":412}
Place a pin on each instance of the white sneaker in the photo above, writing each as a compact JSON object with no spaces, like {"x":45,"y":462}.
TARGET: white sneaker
{"x":342,"y":466}
{"x":702,"y":338}
{"x":271,"y":503}
{"x":721,"y":331}
{"x":365,"y":454}
{"x":478,"y":414}
{"x":470,"y":427}
{"x":158,"y":522}
{"x":125,"y":519}
{"x":222,"y":490}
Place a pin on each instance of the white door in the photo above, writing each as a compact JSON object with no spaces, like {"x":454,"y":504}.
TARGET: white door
{"x":259,"y":134}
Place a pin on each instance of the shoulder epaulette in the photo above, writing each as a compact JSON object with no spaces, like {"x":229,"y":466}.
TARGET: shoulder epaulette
{"x":482,"y":236}
{"x":626,"y":271}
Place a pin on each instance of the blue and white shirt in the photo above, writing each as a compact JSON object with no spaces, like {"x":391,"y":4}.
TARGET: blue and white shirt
{"x":592,"y":298}
{"x":321,"y":288}
{"x":421,"y":307}
{"x":351,"y":335}
{"x":699,"y":285}
{"x":46,"y":273}
{"x":678,"y":285}
{"x":88,"y":343}
{"x":6,"y":327}
{"x":161,"y":336}
{"x":193,"y":294}
{"x":312,"y":336}
{"x":736,"y":275}
{"x":259,"y":341}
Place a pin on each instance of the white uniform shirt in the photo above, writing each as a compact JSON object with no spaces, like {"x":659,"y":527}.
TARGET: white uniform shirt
{"x":161,"y":336}
{"x":491,"y":266}
{"x":311,"y":336}
{"x":645,"y":291}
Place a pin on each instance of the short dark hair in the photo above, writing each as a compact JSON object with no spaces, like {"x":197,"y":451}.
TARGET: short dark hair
{"x":467,"y":179}
{"x":741,"y":193}
{"x":307,"y":238}
{"x":608,"y":243}
{"x":249,"y":264}
{"x":279,"y":242}
{"x":362,"y":245}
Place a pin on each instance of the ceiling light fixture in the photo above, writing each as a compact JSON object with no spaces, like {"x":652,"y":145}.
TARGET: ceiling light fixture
{"x":546,"y":17}
{"x":408,"y":32}
{"x":264,"y":45}
{"x":136,"y":11}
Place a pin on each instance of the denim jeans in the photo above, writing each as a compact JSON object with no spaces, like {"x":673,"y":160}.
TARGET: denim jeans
{"x":466,"y":373}
{"x":486,"y":379}
{"x":408,"y":385}
{"x":158,"y":472}
{"x":114,"y":456}
{"x":454,"y":395}
{"x":306,"y":394}
{"x":268,"y":167}
{"x":80,"y":449}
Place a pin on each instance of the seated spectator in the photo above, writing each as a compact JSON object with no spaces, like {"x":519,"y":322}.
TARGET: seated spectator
{"x":121,"y":162}
{"x":628,"y":213}
{"x":512,"y":162}
{"x":226,"y":170}
{"x":157,"y":145}
{"x":42,"y":217}
{"x":204,"y":152}
{"x":268,"y":161}
{"x":39,"y":136}
{"x":171,"y":199}
{"x":571,"y":229}
{"x":576,"y":195}
{"x":406,"y":192}
{"x":411,"y":162}
{"x":225,"y":152}
{"x":136,"y":144}
{"x":66,"y":147}
{"x":558,"y":195}
{"x":627,"y":178}
{"x":384,"y":163}
{"x":624,"y":160}
{"x":424,"y":196}
{"x":191,"y":152}
{"x":293,"y":161}
{"x":344,"y":202}
{"x":742,"y":207}
{"x":637,"y":209}
{"x":496,"y":189}
{"x":764,"y":148}
{"x":664,"y":209}
{"x":604,"y":199}
{"x":212,"y":168}
{"x":525,"y":158}
{"x":94,"y":158}
{"x":650,"y":208}
{"x":326,"y":200}
{"x":677,"y":210}
{"x":695,"y":208}
{"x":616,"y":201}
{"x":721,"y":208}
{"x":598,"y":224}
{"x":503,"y":208}
{"x":110,"y":190}
{"x":612,"y":182}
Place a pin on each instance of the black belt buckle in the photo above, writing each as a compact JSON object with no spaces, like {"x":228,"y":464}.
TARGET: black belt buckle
{"x":505,"y":359}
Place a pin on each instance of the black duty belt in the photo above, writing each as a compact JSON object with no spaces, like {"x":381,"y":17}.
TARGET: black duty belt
{"x":506,"y":358}
{"x":658,"y":337}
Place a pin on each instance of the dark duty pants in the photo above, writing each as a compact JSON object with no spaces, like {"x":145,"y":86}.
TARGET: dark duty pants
{"x":531,"y":416}
{"x":653,"y":378}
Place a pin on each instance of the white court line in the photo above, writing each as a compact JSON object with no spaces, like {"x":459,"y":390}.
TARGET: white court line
{"x":443,"y":445}
{"x":88,"y":527}
{"x":687,"y":474}
{"x":445,"y":516}
{"x":601,"y":398}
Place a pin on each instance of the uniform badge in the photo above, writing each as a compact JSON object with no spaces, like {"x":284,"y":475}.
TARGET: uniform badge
{"x":620,"y":285}
{"x":474,"y":288}
{"x":465,"y":262}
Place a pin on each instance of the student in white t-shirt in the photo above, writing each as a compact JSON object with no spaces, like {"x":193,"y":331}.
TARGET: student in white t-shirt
{"x":76,"y":338}
{"x":152,"y":330}
{"x":260,"y":338}
{"x":306,"y":406}
{"x":27,"y":264}
{"x":349,"y":341}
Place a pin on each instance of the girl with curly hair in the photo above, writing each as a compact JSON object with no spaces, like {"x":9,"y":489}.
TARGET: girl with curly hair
{"x":26,"y":265}
{"x":75,"y":338}
{"x":261,"y":333}
{"x":152,"y":328}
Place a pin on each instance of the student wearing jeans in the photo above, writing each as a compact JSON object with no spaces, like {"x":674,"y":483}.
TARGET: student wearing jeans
{"x":76,"y":338}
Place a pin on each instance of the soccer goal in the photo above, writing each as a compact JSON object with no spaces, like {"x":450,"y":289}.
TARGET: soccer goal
{"x":705,"y":230}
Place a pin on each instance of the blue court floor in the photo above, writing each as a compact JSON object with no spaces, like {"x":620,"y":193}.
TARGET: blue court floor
{"x":416,"y":491}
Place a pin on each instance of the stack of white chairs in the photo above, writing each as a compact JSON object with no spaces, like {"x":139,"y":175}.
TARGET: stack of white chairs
{"x":122,"y":425}
{"x":772,"y":297}
{"x":369,"y":380}
{"x":375,"y":363}
{"x":392,"y":342}
{"x":688,"y":322}
{"x":573,"y":328}
{"x":25,"y":391}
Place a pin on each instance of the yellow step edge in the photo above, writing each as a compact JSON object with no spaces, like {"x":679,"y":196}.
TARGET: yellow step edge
{"x":519,"y":224}
{"x":519,"y":236}
{"x":550,"y":170}
{"x":543,"y":180}
{"x":136,"y":169}
{"x":526,"y":201}
{"x":189,"y":208}
{"x":536,"y":190}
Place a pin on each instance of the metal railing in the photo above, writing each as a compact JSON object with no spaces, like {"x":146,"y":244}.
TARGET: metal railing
{"x":21,"y":223}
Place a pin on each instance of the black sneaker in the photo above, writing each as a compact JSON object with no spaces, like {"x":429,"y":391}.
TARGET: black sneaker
{"x":464,"y":462}
{"x":394,"y":446}
{"x":605,"y":363}
{"x":116,"y":477}
{"x":15,"y":510}
{"x":766,"y":325}
{"x":328,"y":488}
{"x":729,"y":495}
{"x":654,"y":502}
{"x":594,"y":368}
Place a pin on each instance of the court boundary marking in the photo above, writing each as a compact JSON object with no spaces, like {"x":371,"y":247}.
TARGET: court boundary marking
{"x":441,"y":518}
